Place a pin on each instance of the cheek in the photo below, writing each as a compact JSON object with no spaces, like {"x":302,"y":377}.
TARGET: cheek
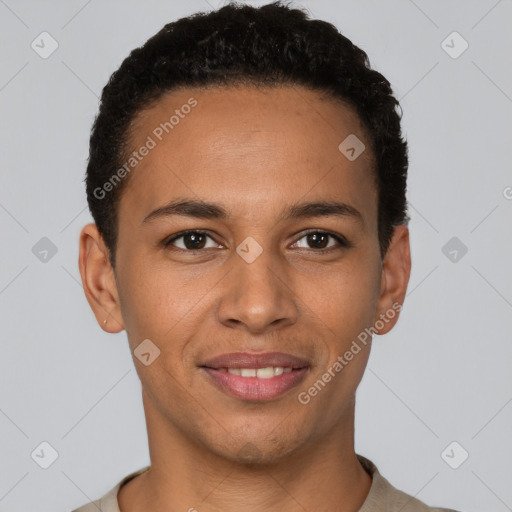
{"x":153,"y":301}
{"x":157,"y":308}
{"x":166,"y":308}
{"x":346,"y":300}
{"x":346,"y":305}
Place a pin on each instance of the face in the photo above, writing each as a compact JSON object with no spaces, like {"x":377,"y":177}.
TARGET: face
{"x":248,"y":240}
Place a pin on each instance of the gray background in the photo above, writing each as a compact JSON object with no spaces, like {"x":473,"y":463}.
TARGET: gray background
{"x":442,"y":375}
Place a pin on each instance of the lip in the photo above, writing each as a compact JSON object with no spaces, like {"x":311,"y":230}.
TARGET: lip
{"x":252,"y":360}
{"x":253,"y":388}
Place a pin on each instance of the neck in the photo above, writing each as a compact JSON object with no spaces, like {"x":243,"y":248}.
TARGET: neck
{"x":185,"y":476}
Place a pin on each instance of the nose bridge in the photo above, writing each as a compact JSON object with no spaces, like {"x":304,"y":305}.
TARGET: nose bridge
{"x":256,"y":295}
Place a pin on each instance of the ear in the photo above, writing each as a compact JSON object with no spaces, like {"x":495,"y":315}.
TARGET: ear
{"x":98,"y":280}
{"x":396,"y":270}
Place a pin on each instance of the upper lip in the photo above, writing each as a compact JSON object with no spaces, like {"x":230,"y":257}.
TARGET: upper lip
{"x":254,"y":360}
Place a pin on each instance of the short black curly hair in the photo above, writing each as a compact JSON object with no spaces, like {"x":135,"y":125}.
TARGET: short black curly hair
{"x":240,"y":44}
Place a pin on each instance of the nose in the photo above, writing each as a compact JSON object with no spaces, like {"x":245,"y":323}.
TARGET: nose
{"x":258,"y":296}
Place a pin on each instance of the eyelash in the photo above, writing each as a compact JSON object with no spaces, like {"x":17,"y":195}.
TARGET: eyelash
{"x":342,"y":241}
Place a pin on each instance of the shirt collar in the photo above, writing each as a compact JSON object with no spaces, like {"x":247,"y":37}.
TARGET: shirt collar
{"x":377,"y":495}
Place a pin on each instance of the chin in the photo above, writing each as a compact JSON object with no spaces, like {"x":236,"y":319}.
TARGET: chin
{"x":267,"y":449}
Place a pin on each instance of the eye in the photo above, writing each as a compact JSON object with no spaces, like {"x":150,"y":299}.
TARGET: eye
{"x":196,"y":240}
{"x":319,"y":241}
{"x":193,"y":240}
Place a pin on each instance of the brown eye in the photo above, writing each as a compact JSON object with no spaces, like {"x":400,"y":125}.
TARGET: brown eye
{"x":319,"y":240}
{"x":191,"y":241}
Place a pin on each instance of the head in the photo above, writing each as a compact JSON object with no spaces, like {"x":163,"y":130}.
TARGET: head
{"x":270,"y":134}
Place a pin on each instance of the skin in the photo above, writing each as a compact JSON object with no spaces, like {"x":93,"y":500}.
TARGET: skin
{"x":254,"y":152}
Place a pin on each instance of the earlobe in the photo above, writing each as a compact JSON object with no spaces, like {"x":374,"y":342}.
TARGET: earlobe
{"x":98,"y":280}
{"x":396,"y":270}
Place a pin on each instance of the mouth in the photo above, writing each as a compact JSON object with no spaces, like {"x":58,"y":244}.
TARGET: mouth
{"x":256,"y":377}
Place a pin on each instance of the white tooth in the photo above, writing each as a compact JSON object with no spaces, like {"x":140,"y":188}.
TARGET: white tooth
{"x":248,"y":372}
{"x":287,"y":370}
{"x":278,"y":370}
{"x":234,"y":371}
{"x":265,"y":373}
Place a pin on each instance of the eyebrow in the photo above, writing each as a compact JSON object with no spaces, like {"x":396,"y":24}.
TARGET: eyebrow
{"x":205,"y":210}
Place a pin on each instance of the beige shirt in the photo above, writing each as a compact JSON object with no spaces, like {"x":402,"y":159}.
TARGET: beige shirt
{"x":383,"y":497}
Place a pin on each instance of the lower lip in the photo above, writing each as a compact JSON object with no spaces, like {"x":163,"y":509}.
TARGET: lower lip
{"x":253,"y":388}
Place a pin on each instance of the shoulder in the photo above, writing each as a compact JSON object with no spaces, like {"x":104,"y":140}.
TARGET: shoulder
{"x":93,"y":506}
{"x":384,"y":496}
{"x":399,"y":500}
{"x":108,"y":502}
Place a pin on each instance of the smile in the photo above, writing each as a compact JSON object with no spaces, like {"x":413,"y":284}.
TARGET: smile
{"x":256,"y":377}
{"x":261,"y":373}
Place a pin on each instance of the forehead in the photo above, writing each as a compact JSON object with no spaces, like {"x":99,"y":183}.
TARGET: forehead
{"x":246,"y":147}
